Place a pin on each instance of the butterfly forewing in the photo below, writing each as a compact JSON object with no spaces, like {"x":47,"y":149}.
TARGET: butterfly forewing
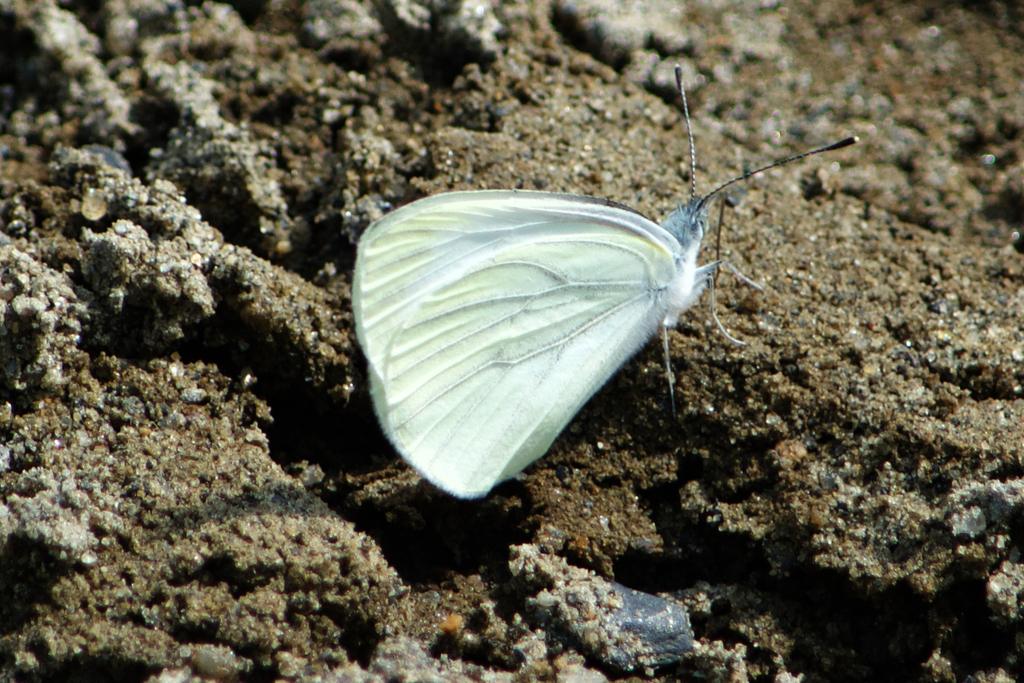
{"x":495,"y":316}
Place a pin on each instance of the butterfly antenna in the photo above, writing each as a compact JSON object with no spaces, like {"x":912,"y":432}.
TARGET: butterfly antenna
{"x":689,"y":132}
{"x":828,"y":148}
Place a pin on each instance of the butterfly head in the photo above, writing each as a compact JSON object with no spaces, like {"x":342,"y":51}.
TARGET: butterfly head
{"x":689,"y":223}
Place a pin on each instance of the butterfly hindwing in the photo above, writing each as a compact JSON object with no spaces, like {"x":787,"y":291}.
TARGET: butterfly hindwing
{"x":496,"y":315}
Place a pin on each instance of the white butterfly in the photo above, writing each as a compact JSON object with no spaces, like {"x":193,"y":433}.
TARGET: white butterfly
{"x":489,"y":318}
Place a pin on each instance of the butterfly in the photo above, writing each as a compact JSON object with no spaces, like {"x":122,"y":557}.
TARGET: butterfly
{"x":488,"y":318}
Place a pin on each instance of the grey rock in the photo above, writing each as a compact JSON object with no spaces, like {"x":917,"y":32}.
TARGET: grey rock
{"x":621,"y":628}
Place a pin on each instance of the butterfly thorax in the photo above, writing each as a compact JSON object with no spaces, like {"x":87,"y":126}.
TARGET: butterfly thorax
{"x":687,"y":224}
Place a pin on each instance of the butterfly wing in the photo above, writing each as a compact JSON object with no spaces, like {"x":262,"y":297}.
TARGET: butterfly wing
{"x":489,"y":318}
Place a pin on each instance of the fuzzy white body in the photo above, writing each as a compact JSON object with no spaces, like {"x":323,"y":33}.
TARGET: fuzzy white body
{"x":685,"y":288}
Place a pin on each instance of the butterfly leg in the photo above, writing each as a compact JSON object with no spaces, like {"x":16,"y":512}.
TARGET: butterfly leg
{"x":668,"y":370}
{"x":708,"y":272}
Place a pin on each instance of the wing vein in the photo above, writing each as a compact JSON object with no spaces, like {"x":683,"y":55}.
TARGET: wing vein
{"x":511,"y":362}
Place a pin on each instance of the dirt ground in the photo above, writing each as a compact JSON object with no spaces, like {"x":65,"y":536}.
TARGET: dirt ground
{"x":194,"y":485}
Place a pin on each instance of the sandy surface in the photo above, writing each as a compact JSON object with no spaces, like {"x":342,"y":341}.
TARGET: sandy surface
{"x":192,"y":479}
